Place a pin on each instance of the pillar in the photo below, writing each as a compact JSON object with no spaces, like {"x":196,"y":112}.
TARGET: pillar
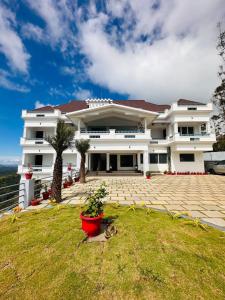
{"x":139,"y":160}
{"x":145,"y":162}
{"x":175,"y":128}
{"x":26,"y":193}
{"x":107,"y":162}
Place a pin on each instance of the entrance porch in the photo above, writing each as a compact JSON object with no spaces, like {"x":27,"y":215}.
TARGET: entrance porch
{"x":114,"y":162}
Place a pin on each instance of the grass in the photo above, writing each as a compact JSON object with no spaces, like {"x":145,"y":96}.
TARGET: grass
{"x":152,"y":257}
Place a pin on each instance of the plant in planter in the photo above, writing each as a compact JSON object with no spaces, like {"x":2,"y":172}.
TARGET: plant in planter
{"x":148,"y":175}
{"x":92,"y":214}
{"x":29,"y":174}
{"x":45,"y":194}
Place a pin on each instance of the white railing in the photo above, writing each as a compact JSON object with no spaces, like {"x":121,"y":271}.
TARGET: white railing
{"x":113,"y":134}
{"x":208,"y":137}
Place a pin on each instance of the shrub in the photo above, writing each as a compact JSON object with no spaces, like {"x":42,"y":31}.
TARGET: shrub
{"x":94,"y":206}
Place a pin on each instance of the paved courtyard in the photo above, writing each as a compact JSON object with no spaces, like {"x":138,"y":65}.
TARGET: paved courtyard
{"x":201,"y":196}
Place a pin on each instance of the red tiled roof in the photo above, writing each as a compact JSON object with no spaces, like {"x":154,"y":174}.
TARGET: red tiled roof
{"x":76,"y":105}
{"x":188,"y":102}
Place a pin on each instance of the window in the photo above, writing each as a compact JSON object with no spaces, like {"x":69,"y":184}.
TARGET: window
{"x":192,"y":108}
{"x":153,"y":158}
{"x":186,"y":130}
{"x":162,"y":158}
{"x":141,"y":158}
{"x":187,"y":157}
{"x":126,"y":160}
{"x":158,"y":158}
{"x":39,"y":134}
{"x":38,"y":159}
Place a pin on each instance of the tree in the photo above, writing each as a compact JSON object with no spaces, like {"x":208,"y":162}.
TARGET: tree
{"x":61,"y":141}
{"x":220,"y":144}
{"x":219,"y":93}
{"x":82,"y":147}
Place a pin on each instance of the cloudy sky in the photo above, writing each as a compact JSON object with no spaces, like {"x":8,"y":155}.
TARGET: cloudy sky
{"x":52,"y":51}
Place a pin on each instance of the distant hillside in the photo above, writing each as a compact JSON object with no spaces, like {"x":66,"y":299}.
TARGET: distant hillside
{"x":8,"y":170}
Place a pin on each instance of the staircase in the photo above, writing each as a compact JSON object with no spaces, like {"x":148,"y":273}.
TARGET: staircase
{"x":114,"y":173}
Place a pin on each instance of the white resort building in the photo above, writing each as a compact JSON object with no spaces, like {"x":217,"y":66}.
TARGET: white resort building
{"x":125,"y":136}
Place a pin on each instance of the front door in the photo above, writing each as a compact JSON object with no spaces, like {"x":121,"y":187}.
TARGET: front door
{"x":113,"y":162}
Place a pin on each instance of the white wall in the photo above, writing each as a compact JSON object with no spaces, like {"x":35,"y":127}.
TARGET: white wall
{"x":195,"y":166}
{"x":214,"y":156}
{"x":69,"y":158}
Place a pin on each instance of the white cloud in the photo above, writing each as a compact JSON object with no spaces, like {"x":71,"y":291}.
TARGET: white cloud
{"x":34,"y":32}
{"x":158,"y":54}
{"x":66,"y":70}
{"x":82,"y":94}
{"x":10,"y":43}
{"x":6,"y":83}
{"x":57,"y":16}
{"x":39,"y":104}
{"x":9,"y":160}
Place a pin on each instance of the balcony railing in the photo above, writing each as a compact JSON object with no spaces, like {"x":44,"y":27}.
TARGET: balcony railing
{"x":195,"y":134}
{"x":114,"y":134}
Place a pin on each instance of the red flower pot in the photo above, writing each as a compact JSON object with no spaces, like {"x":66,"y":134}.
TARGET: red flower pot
{"x":35,"y":202}
{"x":45,"y":195}
{"x":65,"y":185}
{"x":28,"y":175}
{"x":91,"y":226}
{"x":148,"y":177}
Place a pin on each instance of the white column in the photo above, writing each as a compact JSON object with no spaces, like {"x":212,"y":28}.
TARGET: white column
{"x":26,"y":193}
{"x":145,"y":162}
{"x":175,"y":126}
{"x":107,"y":162}
{"x":208,"y":127}
{"x":139,"y":160}
{"x":78,"y":160}
{"x":145,"y":121}
{"x":78,"y":126}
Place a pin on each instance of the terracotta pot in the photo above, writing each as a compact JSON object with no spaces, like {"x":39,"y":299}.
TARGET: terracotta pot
{"x":65,"y":185}
{"x":148,"y":177}
{"x":35,"y":202}
{"x":28,"y":175}
{"x":45,"y":195}
{"x":91,"y":226}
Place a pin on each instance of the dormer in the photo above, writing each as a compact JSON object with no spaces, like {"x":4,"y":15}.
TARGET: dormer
{"x":96,"y":102}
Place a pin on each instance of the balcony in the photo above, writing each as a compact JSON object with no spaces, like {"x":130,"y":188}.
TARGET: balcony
{"x":44,"y":169}
{"x":195,"y":137}
{"x":112,"y":134}
{"x":33,"y":141}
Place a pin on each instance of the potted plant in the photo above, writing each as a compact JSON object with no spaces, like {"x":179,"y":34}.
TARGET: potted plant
{"x":92,"y":214}
{"x":29,"y":174}
{"x":45,"y":194}
{"x":148,"y":175}
{"x":65,"y":183}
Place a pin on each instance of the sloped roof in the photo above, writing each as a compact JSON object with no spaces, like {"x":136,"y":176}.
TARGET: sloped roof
{"x":188,"y":102}
{"x":76,"y":105}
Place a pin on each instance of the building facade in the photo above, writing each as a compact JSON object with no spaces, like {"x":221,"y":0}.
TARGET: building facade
{"x":125,"y":135}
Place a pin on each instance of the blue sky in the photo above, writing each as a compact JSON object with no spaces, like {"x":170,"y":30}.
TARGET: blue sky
{"x":52,"y":51}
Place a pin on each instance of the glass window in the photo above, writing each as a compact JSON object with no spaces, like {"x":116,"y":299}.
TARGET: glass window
{"x":153,"y":158}
{"x":162,"y":158}
{"x":141,"y":158}
{"x":126,"y":160}
{"x":190,"y":130}
{"x":187,"y":157}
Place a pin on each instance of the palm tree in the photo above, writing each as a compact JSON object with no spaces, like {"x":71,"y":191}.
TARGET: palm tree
{"x":60,"y":142}
{"x":82,"y":147}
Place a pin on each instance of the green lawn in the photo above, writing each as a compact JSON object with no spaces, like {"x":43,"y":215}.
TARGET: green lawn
{"x":151,"y":257}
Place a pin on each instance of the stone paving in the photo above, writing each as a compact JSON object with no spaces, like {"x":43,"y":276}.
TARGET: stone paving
{"x":202,"y":196}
